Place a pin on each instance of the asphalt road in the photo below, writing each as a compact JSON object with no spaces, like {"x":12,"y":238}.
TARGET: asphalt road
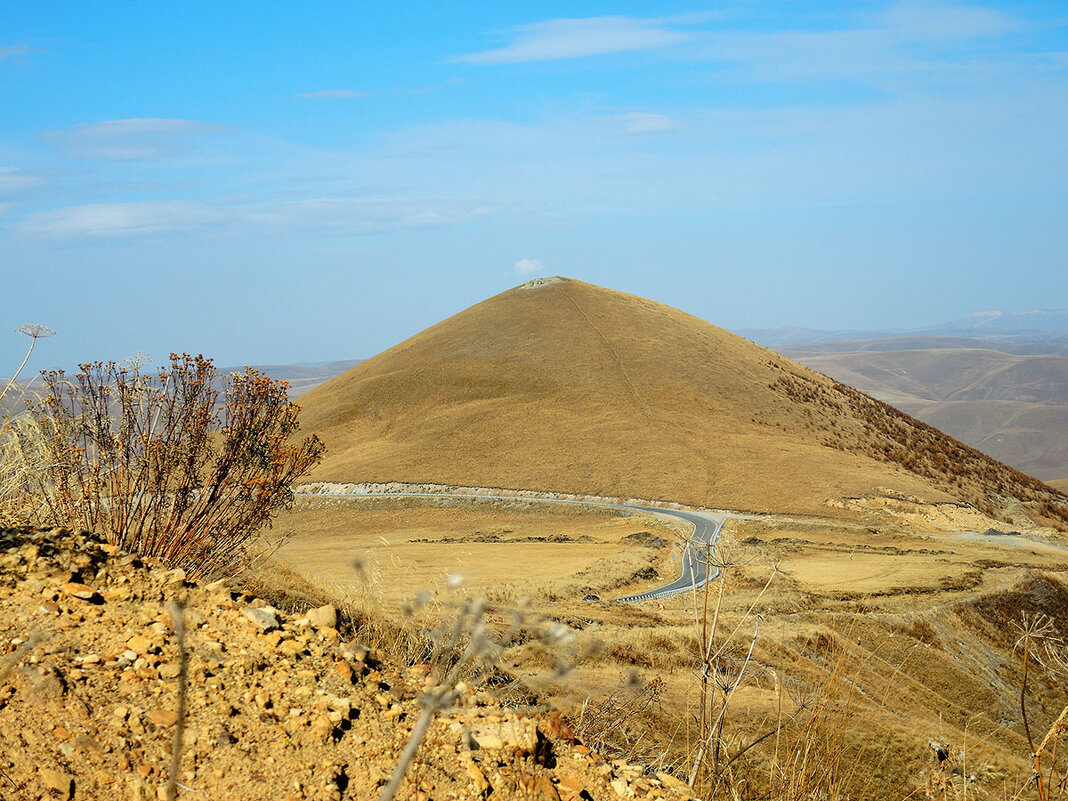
{"x":695,"y":572}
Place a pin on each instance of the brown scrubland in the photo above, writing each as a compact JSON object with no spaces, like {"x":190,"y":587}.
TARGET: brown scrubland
{"x":888,"y":619}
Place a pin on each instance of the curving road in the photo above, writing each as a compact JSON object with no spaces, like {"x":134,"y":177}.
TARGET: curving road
{"x":695,"y":573}
{"x":695,"y":570}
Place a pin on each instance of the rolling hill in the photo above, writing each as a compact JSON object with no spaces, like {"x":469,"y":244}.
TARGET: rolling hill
{"x":559,"y":385}
{"x":1010,"y":405}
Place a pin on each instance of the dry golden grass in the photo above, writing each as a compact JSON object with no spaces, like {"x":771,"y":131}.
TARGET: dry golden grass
{"x":1060,"y":484}
{"x":911,"y":640}
{"x":570,"y":387}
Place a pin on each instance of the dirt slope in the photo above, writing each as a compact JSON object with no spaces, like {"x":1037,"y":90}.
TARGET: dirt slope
{"x":280,"y":706}
{"x":565,"y":386}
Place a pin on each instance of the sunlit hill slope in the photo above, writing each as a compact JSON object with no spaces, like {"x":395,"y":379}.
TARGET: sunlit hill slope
{"x":564,"y":386}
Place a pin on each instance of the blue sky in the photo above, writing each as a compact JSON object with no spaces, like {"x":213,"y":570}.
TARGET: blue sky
{"x":275,"y":182}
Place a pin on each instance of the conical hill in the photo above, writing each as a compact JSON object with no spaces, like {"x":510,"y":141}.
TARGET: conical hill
{"x":559,"y":385}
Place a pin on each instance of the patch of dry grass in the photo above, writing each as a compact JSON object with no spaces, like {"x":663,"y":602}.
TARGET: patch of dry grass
{"x":857,"y":679}
{"x":505,"y":549}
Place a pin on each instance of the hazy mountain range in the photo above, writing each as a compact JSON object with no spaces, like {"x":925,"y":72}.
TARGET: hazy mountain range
{"x":1048,"y":329}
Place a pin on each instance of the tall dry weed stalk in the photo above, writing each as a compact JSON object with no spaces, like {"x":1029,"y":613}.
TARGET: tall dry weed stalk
{"x":722,"y":670}
{"x":23,"y":457}
{"x":161,"y":467}
{"x":811,"y":747}
{"x":1041,"y":646}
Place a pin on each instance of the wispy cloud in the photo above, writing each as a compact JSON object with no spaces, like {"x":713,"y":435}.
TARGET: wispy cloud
{"x":333,"y":94}
{"x":326,"y":216}
{"x":905,"y":47}
{"x":13,"y":181}
{"x":576,"y":38}
{"x":529,"y":266}
{"x":109,"y":220}
{"x":349,"y":216}
{"x":130,"y":139}
{"x":946,"y":20}
{"x":14,"y":51}
{"x":870,"y":45}
{"x":643,"y":122}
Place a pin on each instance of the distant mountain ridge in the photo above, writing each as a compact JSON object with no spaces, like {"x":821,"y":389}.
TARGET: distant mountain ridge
{"x":1045,"y":327}
{"x":1049,"y":321}
{"x":301,"y":377}
{"x":1007,"y":399}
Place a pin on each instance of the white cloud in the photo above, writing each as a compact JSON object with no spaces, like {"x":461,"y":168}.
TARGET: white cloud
{"x":323,"y":216}
{"x":14,"y":51}
{"x":643,"y":122}
{"x":107,"y":220}
{"x":529,"y":266}
{"x":333,"y":94}
{"x":13,"y":181}
{"x":576,"y":38}
{"x":946,"y":20}
{"x":130,"y":139}
{"x":347,"y":216}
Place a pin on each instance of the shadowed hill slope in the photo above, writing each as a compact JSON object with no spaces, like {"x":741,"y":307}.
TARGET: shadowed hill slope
{"x":560,"y":385}
{"x":1014,"y":407}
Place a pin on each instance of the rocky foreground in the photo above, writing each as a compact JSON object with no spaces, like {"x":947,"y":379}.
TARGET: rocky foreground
{"x":278,"y":707}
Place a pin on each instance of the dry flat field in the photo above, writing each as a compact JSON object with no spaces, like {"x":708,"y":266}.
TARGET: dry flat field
{"x":392,"y":549}
{"x":910,"y":632}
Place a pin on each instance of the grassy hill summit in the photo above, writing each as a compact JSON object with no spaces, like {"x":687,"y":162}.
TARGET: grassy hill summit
{"x":560,"y":385}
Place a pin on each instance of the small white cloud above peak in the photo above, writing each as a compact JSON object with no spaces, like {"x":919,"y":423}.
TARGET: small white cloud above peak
{"x":529,"y":266}
{"x":333,"y":94}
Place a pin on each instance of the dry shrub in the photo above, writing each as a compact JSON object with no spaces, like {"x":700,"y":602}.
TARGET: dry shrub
{"x":616,"y":724}
{"x":923,"y":631}
{"x":154,"y":461}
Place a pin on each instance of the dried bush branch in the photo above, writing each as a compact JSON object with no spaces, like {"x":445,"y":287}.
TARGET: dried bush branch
{"x":160,"y":467}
